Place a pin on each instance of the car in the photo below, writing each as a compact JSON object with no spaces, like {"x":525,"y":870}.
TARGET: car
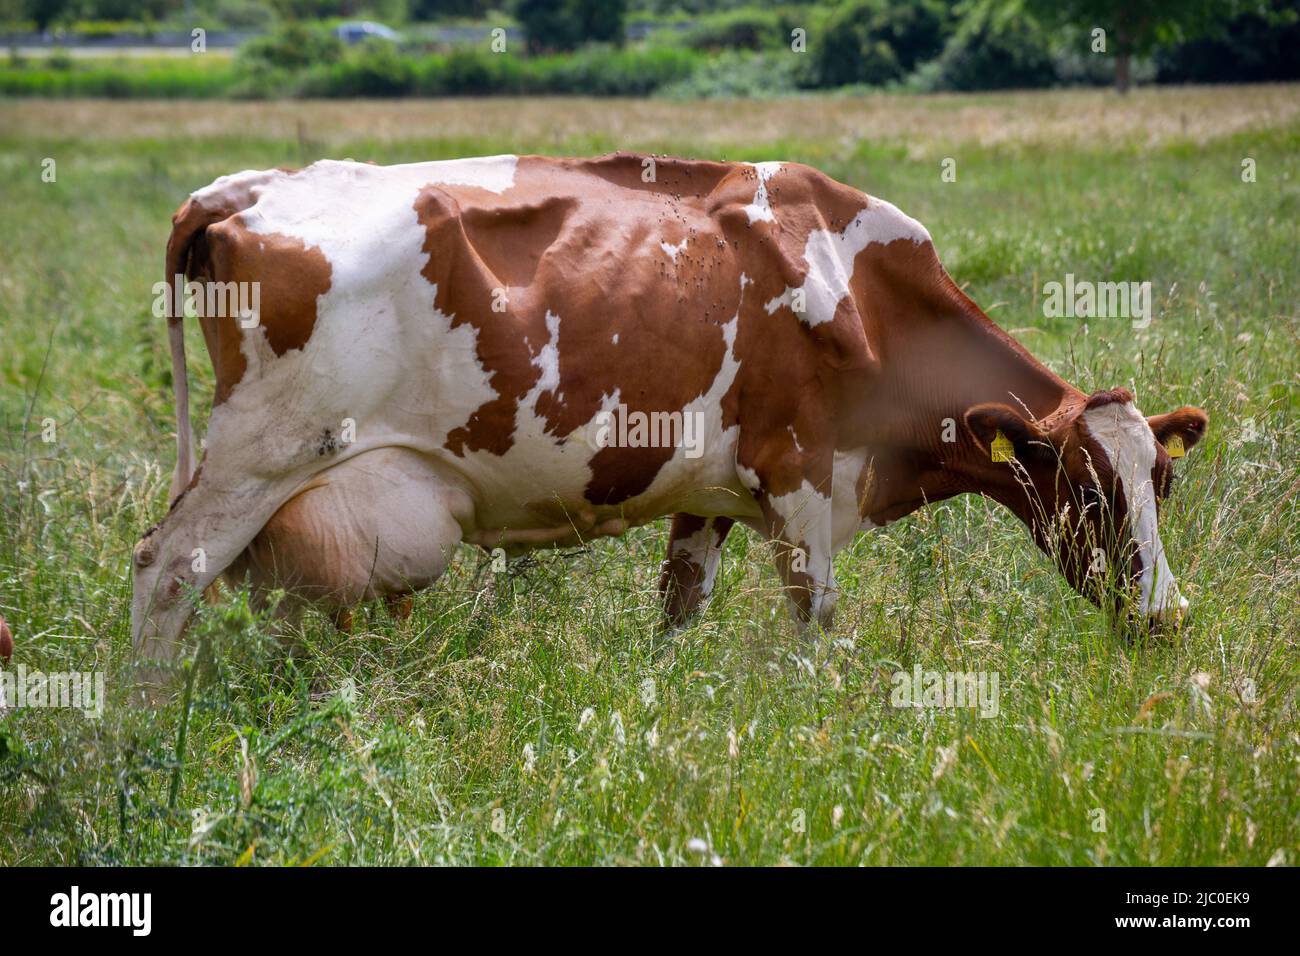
{"x":358,"y":31}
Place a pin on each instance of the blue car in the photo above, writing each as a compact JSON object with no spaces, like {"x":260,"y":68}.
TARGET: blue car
{"x":359,"y":30}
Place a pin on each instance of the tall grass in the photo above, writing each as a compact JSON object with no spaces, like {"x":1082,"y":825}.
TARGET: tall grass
{"x":528,"y":716}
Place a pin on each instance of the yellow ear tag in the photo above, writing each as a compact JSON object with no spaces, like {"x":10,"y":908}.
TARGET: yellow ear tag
{"x":1175,"y":446}
{"x":1002,"y":448}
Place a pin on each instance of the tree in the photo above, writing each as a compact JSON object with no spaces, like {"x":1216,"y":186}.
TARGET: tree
{"x":1259,"y":46}
{"x":1136,"y":28}
{"x":46,"y":12}
{"x":568,"y":24}
{"x":875,"y":41}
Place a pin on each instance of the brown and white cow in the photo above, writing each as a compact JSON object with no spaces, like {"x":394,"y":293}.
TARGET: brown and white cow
{"x":473,"y":321}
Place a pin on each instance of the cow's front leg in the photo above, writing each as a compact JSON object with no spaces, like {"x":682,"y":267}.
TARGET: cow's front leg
{"x":691,"y":566}
{"x":799,"y":523}
{"x":204,"y":532}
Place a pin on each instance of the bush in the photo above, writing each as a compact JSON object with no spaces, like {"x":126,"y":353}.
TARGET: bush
{"x":738,"y":73}
{"x":594,"y":71}
{"x":876,"y":41}
{"x":373,"y":68}
{"x":1256,"y":47}
{"x":991,"y":54}
{"x":568,"y":24}
{"x":149,"y":78}
{"x":470,"y":72}
{"x":745,"y":28}
{"x":292,"y":47}
{"x":369,"y":70}
{"x":604,"y":71}
{"x":243,"y":14}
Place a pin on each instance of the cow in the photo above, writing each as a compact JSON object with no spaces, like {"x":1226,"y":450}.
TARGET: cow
{"x":469,"y":351}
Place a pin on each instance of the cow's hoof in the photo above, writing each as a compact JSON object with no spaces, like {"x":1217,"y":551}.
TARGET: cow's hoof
{"x":154,"y":687}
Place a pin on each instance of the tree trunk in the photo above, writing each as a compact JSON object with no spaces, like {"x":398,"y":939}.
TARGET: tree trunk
{"x":1123,"y":54}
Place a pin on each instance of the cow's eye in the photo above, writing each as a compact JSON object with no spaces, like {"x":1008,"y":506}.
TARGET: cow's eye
{"x":1090,"y":498}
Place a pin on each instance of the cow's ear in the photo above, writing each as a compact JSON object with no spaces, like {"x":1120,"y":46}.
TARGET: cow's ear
{"x":1187,"y":424}
{"x":988,"y":420}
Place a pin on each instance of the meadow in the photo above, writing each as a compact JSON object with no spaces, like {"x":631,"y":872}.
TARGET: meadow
{"x":528,"y":716}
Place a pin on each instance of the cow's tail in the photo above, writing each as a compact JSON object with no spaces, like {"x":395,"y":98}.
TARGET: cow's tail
{"x":187,"y":227}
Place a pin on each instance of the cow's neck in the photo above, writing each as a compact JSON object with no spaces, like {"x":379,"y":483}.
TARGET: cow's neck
{"x":963,"y":359}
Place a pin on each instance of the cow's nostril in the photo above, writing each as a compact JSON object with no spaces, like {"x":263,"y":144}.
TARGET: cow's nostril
{"x":143,"y":556}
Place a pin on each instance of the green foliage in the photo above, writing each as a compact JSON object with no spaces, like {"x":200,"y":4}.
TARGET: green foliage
{"x":1137,"y":28}
{"x":166,"y":77}
{"x":291,"y":47}
{"x":378,"y":70}
{"x":744,"y":28}
{"x":373,"y":68}
{"x":243,"y":14}
{"x":876,"y":41}
{"x":465,"y":72}
{"x":44,"y":13}
{"x":991,"y":52}
{"x":1259,"y":46}
{"x":739,"y":73}
{"x":605,"y":71}
{"x":928,"y":45}
{"x":568,"y":24}
{"x":443,"y":9}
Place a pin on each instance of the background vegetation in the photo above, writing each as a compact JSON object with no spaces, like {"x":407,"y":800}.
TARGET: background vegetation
{"x":527,"y":716}
{"x":633,"y":47}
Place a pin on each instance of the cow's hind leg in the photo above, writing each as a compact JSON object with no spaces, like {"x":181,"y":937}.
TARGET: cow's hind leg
{"x":691,"y":566}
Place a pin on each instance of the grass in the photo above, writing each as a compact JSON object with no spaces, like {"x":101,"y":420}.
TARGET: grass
{"x":524,"y":717}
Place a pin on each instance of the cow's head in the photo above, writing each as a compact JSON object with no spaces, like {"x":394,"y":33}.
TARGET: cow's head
{"x":161,"y":605}
{"x":1091,"y":485}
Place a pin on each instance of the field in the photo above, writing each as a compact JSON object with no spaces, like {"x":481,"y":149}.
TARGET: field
{"x":528,"y":716}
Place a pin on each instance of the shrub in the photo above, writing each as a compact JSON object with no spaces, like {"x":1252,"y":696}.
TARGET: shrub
{"x":292,"y":47}
{"x":178,"y":78}
{"x":567,"y":24}
{"x":373,"y":68}
{"x":243,"y":14}
{"x":875,"y":41}
{"x":991,"y":53}
{"x":1255,"y":47}
{"x":594,"y":71}
{"x":470,"y":72}
{"x":745,"y":28}
{"x":603,"y":71}
{"x":738,"y":73}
